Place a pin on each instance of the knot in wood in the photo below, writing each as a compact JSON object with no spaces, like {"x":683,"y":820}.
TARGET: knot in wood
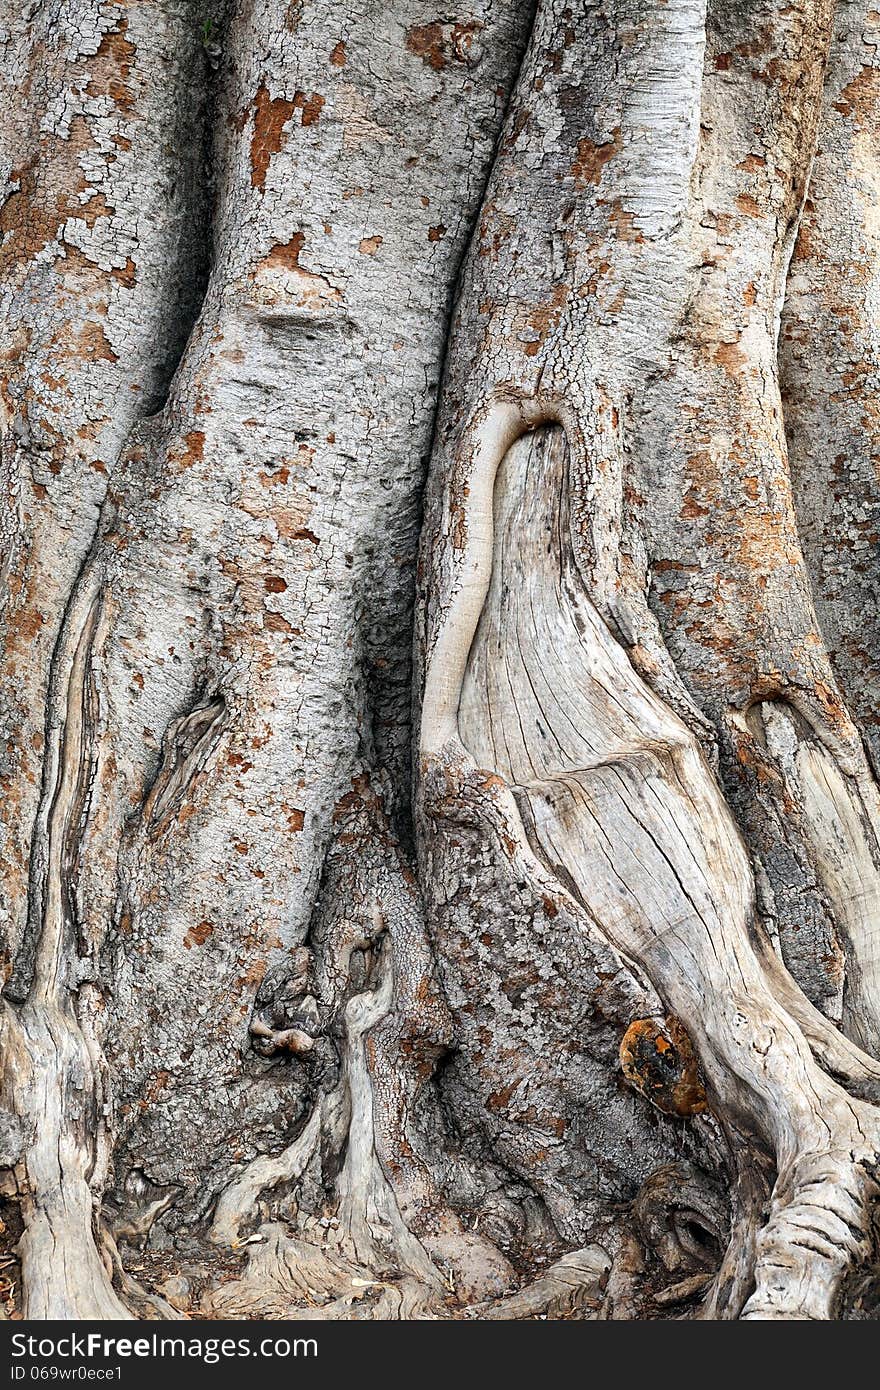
{"x":657,"y":1058}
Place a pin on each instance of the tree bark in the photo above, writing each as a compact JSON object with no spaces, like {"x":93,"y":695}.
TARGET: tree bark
{"x":532,"y":970}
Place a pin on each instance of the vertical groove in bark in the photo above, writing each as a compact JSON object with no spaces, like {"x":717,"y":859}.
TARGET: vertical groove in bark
{"x":54,"y":1062}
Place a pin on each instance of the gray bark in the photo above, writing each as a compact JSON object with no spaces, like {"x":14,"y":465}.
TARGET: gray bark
{"x":536,"y":973}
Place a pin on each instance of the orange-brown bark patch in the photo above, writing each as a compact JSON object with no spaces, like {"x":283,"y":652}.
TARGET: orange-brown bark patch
{"x":287,"y":254}
{"x":154,"y":1088}
{"x":23,"y":624}
{"x":198,"y":935}
{"x":748,"y":205}
{"x":592,"y":158}
{"x":33,"y":214}
{"x":859,"y":97}
{"x":275,"y":623}
{"x":499,"y":1100}
{"x":426,"y":41}
{"x":127,"y":274}
{"x":544,"y":318}
{"x":623,"y":225}
{"x":92,"y":343}
{"x":277,"y":479}
{"x":195,"y":448}
{"x":310,"y":107}
{"x":691,"y":509}
{"x":271,"y":114}
{"x":731,"y":357}
{"x":313,"y":291}
{"x":112,"y":65}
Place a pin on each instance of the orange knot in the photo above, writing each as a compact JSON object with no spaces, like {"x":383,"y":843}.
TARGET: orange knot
{"x":658,"y":1060}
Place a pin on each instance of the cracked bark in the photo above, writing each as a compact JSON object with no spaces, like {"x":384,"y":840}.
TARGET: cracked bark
{"x":583,"y":1020}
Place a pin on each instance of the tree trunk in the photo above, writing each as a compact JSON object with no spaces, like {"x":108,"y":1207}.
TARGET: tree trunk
{"x":538,"y":973}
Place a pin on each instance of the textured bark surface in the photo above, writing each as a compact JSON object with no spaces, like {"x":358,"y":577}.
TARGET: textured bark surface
{"x":531,"y":969}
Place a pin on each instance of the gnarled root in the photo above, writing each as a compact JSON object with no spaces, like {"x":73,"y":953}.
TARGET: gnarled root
{"x":818,"y":1229}
{"x":572,"y":1284}
{"x":683,"y":1218}
{"x":326,"y":1267}
{"x":381,"y":1248}
{"x":49,"y":1073}
{"x":365,"y":1261}
{"x":53,"y":1074}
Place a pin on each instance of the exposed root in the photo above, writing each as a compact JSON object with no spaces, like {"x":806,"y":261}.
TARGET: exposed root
{"x":239,"y":1201}
{"x":369,"y":1217}
{"x":48,"y":1070}
{"x":389,"y":1035}
{"x":840,"y":819}
{"x":143,"y":1303}
{"x":572,"y":1284}
{"x":749,"y":1201}
{"x":855,"y":1069}
{"x":285,"y":1276}
{"x":368,"y":1246}
{"x":53,"y":1067}
{"x":817,"y":1232}
{"x":685,"y":1291}
{"x":621,"y":1302}
{"x":136,"y":1230}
